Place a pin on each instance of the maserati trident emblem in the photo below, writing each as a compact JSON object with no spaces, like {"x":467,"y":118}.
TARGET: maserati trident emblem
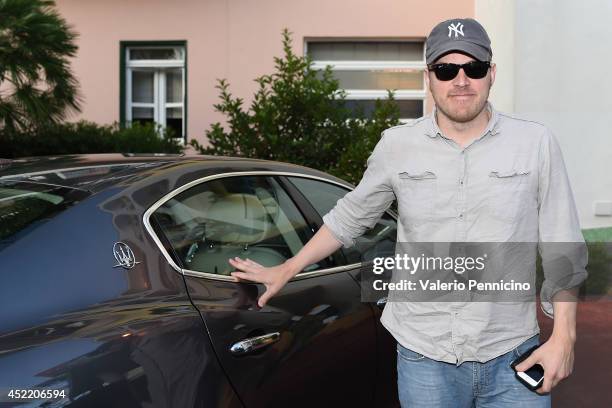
{"x":124,"y":256}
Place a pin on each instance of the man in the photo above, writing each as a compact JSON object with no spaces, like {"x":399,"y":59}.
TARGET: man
{"x":464,"y":173}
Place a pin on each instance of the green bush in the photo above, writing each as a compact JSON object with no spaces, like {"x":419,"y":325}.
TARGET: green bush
{"x":599,"y":281}
{"x":87,"y":137}
{"x":298,"y":115}
{"x":599,"y":240}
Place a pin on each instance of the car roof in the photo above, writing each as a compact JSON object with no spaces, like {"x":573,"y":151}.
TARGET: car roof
{"x":95,"y":172}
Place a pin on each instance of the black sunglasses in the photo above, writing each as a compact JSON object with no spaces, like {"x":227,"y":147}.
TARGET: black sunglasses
{"x":473,"y":69}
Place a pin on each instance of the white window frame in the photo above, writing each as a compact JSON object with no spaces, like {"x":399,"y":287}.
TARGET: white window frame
{"x":361,"y":94}
{"x":159,"y":103}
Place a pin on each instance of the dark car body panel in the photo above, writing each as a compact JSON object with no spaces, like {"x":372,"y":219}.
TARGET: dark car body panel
{"x":108,"y":336}
{"x":326,"y":349}
{"x":134,"y":168}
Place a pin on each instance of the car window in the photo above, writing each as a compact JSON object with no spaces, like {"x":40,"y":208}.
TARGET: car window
{"x":377,"y":241}
{"x":249,"y":217}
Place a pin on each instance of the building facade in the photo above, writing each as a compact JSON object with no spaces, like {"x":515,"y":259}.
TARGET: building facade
{"x":159,"y":61}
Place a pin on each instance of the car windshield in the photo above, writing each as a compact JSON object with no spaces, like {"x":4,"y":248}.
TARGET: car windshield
{"x":25,"y":205}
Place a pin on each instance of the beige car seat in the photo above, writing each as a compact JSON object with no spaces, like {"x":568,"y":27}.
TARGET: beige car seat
{"x":235,"y":222}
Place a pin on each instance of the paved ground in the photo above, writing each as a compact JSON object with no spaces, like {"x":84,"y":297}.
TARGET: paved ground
{"x":590,"y":385}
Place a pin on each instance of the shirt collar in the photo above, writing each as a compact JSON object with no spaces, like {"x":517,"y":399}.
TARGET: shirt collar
{"x":433,"y":130}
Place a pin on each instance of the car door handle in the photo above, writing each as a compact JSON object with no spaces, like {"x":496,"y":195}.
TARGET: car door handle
{"x":380,"y":303}
{"x":254,"y":343}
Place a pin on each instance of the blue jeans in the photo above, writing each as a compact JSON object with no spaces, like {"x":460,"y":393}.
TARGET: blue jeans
{"x":423,"y":382}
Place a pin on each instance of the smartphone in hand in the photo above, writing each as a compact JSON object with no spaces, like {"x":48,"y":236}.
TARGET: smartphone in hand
{"x":532,"y":378}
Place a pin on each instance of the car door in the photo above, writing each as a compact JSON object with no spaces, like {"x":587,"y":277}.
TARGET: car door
{"x":314,"y":343}
{"x":379,"y":241}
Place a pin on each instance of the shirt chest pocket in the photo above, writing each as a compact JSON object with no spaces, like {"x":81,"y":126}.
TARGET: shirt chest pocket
{"x":417,"y":191}
{"x":509,"y":193}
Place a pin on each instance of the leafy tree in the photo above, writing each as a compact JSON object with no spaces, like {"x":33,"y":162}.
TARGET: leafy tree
{"x":37,"y":86}
{"x":298,"y":115}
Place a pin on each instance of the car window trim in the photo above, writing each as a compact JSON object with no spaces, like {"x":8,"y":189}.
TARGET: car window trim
{"x":146,"y":219}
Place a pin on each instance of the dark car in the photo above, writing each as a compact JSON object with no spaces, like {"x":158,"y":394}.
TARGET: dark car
{"x":115,"y":287}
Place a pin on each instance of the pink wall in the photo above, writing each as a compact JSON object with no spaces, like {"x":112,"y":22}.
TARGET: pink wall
{"x":233,"y":39}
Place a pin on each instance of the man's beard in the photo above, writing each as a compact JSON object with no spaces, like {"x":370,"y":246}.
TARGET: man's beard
{"x":464,"y":115}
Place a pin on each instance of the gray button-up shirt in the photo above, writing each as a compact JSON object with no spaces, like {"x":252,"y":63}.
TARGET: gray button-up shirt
{"x":508,"y":185}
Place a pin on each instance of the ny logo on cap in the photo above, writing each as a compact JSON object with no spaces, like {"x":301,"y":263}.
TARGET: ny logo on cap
{"x":456,"y":28}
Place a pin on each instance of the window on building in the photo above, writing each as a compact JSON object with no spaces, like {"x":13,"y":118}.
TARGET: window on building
{"x":367,"y":69}
{"x":154,"y":88}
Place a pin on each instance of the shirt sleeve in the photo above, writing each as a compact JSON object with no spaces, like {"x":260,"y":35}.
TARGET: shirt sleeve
{"x":361,"y":208}
{"x":561,"y":244}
